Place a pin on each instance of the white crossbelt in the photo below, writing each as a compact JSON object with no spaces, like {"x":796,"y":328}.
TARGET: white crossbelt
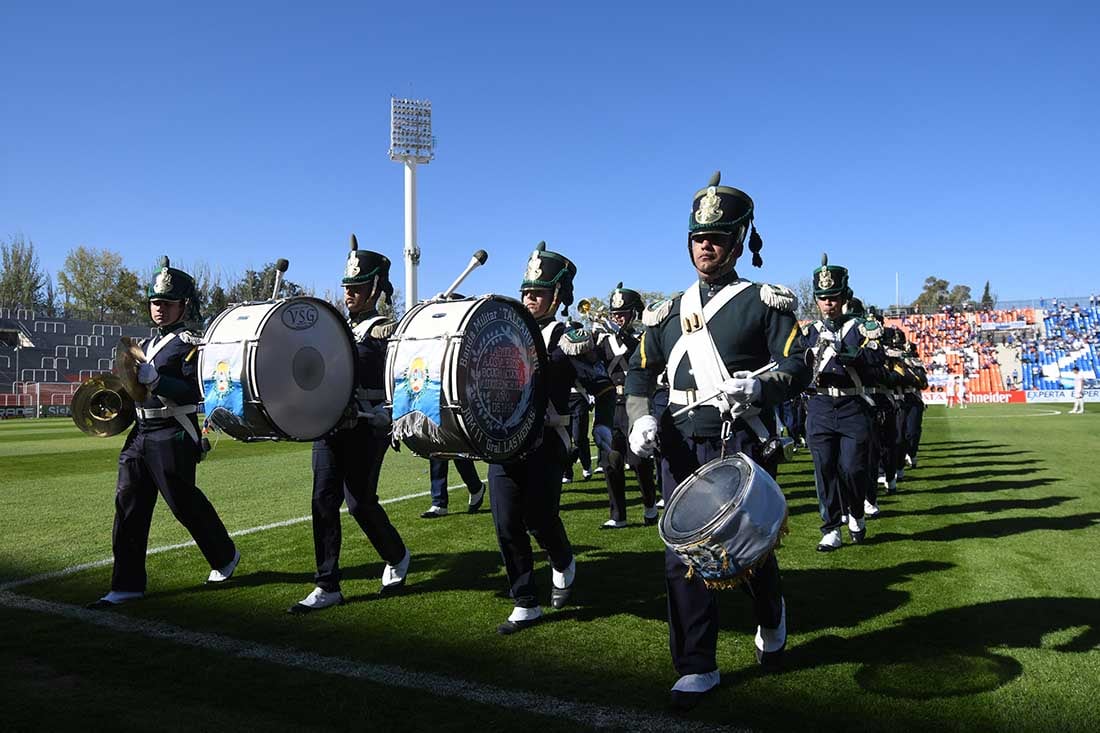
{"x":157,"y":413}
{"x":170,"y":409}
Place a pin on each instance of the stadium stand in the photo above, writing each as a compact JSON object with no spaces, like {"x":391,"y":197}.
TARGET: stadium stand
{"x":43,"y":360}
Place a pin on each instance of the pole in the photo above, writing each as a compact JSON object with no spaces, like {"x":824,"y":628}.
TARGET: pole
{"x":412,"y":252}
{"x":897,"y":298}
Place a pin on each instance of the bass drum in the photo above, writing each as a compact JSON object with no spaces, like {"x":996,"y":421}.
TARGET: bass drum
{"x":724,"y":519}
{"x":277,"y":370}
{"x":466,"y":377}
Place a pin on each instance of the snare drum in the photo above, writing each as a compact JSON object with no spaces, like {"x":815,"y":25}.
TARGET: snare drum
{"x":466,"y":378}
{"x":277,"y":370}
{"x":724,"y":519}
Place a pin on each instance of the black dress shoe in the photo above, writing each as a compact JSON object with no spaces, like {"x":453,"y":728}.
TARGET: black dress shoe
{"x":770,"y":661}
{"x":511,"y":627}
{"x":859,"y":537}
{"x":474,"y":506}
{"x":560,"y":596}
{"x":684,"y":701}
{"x":392,"y":590}
{"x":100,"y":604}
{"x":650,"y":521}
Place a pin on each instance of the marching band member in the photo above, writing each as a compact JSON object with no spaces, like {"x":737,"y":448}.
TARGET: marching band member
{"x":524,"y":495}
{"x":615,"y":349}
{"x":914,"y":405}
{"x":839,"y":412}
{"x":164,"y":447}
{"x":348,"y":461}
{"x":708,"y":339}
{"x":437,"y":469}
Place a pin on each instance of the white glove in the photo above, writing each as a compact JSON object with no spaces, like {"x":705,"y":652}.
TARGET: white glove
{"x":742,"y":387}
{"x":643,"y":436}
{"x":148,"y":375}
{"x":602,"y":435}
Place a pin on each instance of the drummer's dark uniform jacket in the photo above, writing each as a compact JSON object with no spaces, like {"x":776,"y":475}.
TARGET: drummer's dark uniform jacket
{"x":847,"y":361}
{"x":754,"y":326}
{"x":347,"y":462}
{"x":160,"y":455}
{"x":524,"y":495}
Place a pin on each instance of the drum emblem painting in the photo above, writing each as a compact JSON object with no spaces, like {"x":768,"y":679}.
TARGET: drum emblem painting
{"x":222,"y":387}
{"x":417,"y":388}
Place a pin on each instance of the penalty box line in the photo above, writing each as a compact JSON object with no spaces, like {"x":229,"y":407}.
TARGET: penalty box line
{"x":592,"y":715}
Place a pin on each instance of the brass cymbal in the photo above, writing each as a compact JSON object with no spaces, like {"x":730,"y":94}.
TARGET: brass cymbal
{"x":128,"y":355}
{"x":101,"y":407}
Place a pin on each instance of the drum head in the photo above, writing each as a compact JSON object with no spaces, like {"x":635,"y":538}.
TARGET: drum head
{"x":304,"y":367}
{"x":705,"y":498}
{"x":501,"y":370}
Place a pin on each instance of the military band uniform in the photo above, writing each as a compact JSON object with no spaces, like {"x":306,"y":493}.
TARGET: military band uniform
{"x":162,"y":450}
{"x":912,"y":418}
{"x":525,"y":495}
{"x":615,"y":351}
{"x":579,"y":410}
{"x":750,"y":324}
{"x":348,"y":461}
{"x":840,"y":414}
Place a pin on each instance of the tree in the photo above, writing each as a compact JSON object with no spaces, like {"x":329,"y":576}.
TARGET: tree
{"x":933,"y":296}
{"x":96,"y":286}
{"x":989,"y":300}
{"x":807,"y":305}
{"x":255,"y":285}
{"x":21,"y":280}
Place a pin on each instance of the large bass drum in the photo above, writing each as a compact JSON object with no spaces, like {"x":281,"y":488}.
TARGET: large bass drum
{"x":277,"y":370}
{"x":467,"y":378}
{"x":724,"y":519}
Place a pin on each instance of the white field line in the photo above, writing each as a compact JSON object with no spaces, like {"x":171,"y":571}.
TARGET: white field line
{"x":595,"y":716}
{"x":1045,"y":413}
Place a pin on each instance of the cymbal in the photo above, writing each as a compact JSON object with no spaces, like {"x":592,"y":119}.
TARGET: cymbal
{"x":101,"y":407}
{"x":128,"y":355}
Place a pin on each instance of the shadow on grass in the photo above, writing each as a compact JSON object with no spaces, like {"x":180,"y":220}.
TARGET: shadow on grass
{"x":991,"y":528}
{"x":988,"y":470}
{"x":986,"y":486}
{"x":992,"y":506}
{"x":957,"y":651}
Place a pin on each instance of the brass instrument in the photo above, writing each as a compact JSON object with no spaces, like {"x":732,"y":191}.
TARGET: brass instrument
{"x":102,"y":407}
{"x":584,"y":307}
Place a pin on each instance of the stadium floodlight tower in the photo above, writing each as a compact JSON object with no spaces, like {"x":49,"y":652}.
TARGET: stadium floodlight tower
{"x":412,"y":143}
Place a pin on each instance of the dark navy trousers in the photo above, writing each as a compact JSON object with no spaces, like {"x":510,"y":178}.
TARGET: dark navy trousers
{"x":525,"y":498}
{"x":692,"y":607}
{"x":346,"y":466}
{"x":438,"y":468}
{"x":838,"y":433}
{"x":163,"y":461}
{"x":615,"y":471}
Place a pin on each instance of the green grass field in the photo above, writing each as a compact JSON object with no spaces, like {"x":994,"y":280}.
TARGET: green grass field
{"x":975,"y":603}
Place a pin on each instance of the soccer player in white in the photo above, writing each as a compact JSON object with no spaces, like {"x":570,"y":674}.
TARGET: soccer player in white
{"x":1078,"y":392}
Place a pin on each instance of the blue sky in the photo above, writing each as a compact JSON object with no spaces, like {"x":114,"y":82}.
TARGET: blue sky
{"x":952,"y":139}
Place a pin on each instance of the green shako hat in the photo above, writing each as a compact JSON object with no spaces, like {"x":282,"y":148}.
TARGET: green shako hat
{"x":726,"y":210}
{"x":175,"y":285}
{"x":855,"y":307}
{"x":831,"y":279}
{"x":363,"y":266}
{"x":552,"y":271}
{"x":625,"y":299}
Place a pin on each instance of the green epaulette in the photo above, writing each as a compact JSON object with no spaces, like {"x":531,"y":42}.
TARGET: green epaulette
{"x":655,"y":313}
{"x":870,"y":329}
{"x":779,"y":297}
{"x":577,"y":341}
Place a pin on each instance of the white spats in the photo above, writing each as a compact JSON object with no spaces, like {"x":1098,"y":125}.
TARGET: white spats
{"x":117,"y":597}
{"x":869,"y":509}
{"x":831,"y":541}
{"x":612,"y":524}
{"x":318,"y":599}
{"x":220,"y":575}
{"x":697,"y":683}
{"x":525,"y":614}
{"x":394,"y":575}
{"x":772,"y":640}
{"x":564,"y":578}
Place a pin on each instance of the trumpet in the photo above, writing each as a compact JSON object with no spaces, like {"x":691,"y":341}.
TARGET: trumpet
{"x":584,"y":307}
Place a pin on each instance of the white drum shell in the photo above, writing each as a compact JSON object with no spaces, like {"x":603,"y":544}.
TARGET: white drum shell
{"x":298,"y":365}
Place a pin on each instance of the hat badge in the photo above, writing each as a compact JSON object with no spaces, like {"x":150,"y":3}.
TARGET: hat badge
{"x":709,"y":211}
{"x":617,"y":299}
{"x":353,"y":265}
{"x":825,"y":280}
{"x":534,"y":267}
{"x":163,"y":283}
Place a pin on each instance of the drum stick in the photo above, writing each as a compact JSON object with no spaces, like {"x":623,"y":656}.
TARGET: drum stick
{"x":281,"y":266}
{"x":766,"y":368}
{"x":476,"y":261}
